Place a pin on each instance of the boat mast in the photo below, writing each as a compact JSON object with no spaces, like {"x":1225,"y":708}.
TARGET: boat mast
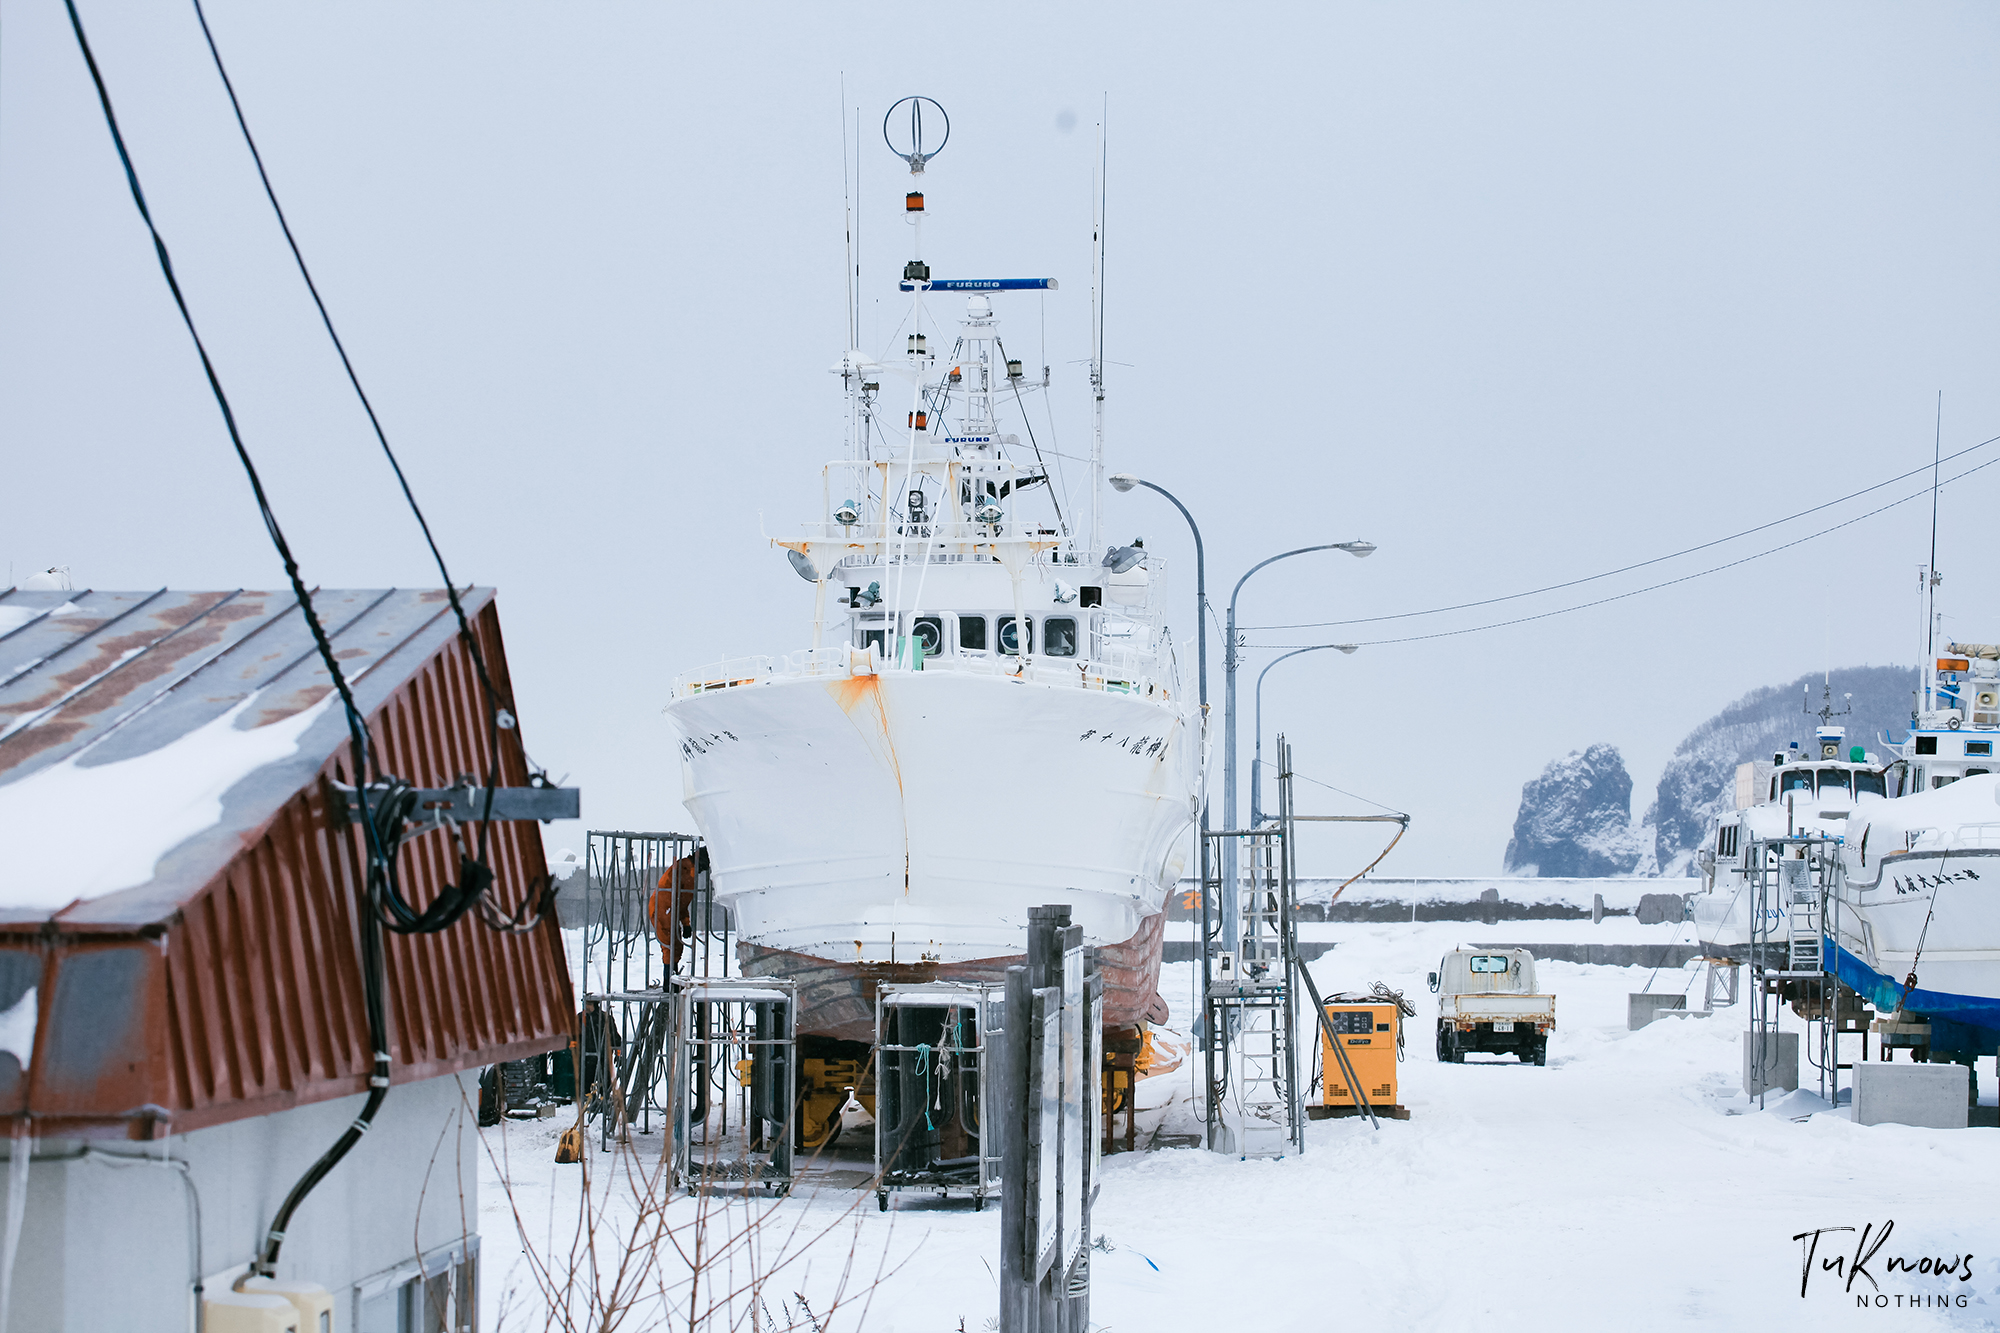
{"x":1097,"y":342}
{"x":1931,"y":579}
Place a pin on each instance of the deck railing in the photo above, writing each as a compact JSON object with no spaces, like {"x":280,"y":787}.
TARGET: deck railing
{"x":1118,"y":672}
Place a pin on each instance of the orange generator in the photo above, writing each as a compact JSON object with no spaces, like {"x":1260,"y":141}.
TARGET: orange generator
{"x":1370,"y":1035}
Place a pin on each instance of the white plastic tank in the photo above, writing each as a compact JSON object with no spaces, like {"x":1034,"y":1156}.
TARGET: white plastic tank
{"x":1127,"y":589}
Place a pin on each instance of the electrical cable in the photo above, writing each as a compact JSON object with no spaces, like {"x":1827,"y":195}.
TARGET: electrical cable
{"x":383,"y":827}
{"x":1653,"y":587}
{"x":1032,"y":443}
{"x":1350,"y":795}
{"x":188,"y":1188}
{"x":1659,"y":559}
{"x":475,"y":874}
{"x":356,"y":728}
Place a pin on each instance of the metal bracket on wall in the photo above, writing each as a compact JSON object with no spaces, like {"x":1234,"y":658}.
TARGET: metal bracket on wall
{"x":467,"y":804}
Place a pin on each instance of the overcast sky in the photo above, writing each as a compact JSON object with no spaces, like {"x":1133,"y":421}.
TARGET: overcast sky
{"x":1520,"y":293}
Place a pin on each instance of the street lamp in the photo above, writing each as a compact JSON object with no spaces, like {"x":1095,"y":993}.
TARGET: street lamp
{"x":1125,"y":481}
{"x":1232,"y":921}
{"x":1257,"y":749}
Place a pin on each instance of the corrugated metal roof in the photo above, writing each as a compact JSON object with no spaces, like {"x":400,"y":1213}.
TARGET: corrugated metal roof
{"x":226,"y":984}
{"x":99,"y":677}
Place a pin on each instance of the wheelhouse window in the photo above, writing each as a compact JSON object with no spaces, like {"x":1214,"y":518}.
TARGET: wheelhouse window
{"x":1872,"y":784}
{"x":972,"y":633}
{"x":1943,"y":780}
{"x":929,"y":631}
{"x":1983,"y":748}
{"x":1059,"y":636}
{"x":1795,"y":779}
{"x":873,"y":638}
{"x":1010,"y":637}
{"x":1831,"y":779}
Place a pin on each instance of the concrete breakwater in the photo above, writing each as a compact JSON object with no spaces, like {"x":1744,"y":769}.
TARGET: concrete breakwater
{"x":1489,"y":899}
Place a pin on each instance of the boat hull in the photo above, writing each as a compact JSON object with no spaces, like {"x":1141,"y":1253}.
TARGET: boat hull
{"x":899,"y":826}
{"x":1933,"y":913}
{"x":838,"y":999}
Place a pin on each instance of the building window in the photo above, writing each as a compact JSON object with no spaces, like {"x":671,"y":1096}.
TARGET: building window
{"x":437,"y":1294}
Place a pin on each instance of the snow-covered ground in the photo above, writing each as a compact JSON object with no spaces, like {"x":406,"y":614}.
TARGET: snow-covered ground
{"x":1626,"y":1185}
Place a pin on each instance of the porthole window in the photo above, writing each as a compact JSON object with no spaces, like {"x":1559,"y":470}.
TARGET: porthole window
{"x":1010,"y":638}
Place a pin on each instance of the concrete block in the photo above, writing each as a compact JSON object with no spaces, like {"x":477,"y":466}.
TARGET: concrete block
{"x":1642,"y":1009}
{"x":1655,"y":908}
{"x":1779,"y":1069}
{"x":1932,"y":1096}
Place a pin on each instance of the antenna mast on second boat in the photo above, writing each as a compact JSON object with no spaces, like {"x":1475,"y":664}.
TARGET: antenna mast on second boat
{"x":1097,"y":343}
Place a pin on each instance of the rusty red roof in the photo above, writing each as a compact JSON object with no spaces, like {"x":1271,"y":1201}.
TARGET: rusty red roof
{"x":181,"y":889}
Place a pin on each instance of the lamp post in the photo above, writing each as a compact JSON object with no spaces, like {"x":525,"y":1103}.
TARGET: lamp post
{"x":1257,"y":747}
{"x":1125,"y":481}
{"x":1232,"y":920}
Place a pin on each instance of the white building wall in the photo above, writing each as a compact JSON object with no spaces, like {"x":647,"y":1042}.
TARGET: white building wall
{"x":107,"y":1246}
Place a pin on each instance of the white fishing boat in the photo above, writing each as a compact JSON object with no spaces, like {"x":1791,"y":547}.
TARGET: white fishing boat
{"x":989,"y":714}
{"x":1921,"y":929}
{"x":1800,"y":793}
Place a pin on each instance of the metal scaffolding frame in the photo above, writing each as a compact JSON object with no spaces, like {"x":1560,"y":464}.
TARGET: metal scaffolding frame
{"x":1798,"y":879}
{"x":953,"y":1065}
{"x":724,"y":1031}
{"x":626,"y":969}
{"x":1252,"y":1098}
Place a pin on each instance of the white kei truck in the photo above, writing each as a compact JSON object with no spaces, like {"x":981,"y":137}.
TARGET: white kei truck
{"x":1487,"y":1002}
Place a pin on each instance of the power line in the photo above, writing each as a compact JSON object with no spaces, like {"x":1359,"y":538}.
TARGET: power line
{"x":373,"y":971}
{"x":1658,"y":559}
{"x":498,"y":717}
{"x":1655,"y":587}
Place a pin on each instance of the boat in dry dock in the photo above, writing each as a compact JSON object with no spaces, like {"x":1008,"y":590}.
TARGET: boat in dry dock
{"x":989,"y":715}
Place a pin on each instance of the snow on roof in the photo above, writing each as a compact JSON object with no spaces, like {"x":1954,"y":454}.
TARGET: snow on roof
{"x":145,"y":737}
{"x":163,"y":797}
{"x":1969,"y":803}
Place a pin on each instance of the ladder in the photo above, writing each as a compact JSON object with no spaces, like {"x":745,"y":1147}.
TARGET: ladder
{"x":1796,"y":886}
{"x":1803,"y":918}
{"x":1250,"y":1014}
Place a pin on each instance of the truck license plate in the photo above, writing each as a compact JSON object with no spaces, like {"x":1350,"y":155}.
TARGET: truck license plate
{"x":1503,"y":1027}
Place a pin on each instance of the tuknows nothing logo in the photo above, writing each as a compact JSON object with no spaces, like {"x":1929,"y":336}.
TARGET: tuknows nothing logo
{"x":1867,"y":1259}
